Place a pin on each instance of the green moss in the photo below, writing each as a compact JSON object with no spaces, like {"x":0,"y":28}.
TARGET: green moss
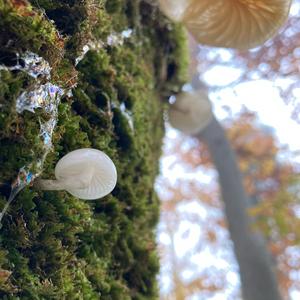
{"x":52,"y":245}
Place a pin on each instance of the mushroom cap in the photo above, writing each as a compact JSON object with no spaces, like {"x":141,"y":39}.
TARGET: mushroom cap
{"x":191,"y":112}
{"x":90,"y":173}
{"x":240,"y":24}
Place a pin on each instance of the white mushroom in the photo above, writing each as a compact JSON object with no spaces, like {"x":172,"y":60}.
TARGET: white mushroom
{"x":240,"y":24}
{"x":85,"y":173}
{"x":191,"y":112}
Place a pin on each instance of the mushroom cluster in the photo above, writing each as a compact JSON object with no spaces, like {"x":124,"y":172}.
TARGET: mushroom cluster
{"x":240,"y":24}
{"x":85,"y":173}
{"x":191,"y":112}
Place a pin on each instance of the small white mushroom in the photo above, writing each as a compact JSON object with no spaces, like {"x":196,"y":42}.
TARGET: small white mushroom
{"x":85,"y":173}
{"x":191,"y":112}
{"x":240,"y":24}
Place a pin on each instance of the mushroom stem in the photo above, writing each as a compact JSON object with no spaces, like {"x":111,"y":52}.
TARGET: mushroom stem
{"x":49,"y":185}
{"x":78,"y":181}
{"x":174,"y":9}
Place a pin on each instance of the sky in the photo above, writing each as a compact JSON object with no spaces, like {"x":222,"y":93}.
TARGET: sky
{"x":261,"y":96}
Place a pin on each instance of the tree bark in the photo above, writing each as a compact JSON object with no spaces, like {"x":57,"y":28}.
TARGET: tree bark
{"x":257,"y":270}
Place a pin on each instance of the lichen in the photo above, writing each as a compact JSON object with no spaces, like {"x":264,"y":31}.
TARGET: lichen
{"x":53,"y":245}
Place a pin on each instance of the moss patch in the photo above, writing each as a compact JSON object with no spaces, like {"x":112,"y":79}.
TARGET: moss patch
{"x":52,"y":245}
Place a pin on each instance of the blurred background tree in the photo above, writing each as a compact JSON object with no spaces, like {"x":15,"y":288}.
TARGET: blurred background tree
{"x":194,"y":199}
{"x":193,"y":236}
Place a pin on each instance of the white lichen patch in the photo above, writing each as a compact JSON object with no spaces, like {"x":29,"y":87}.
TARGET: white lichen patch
{"x":30,"y":63}
{"x":127,"y":114}
{"x":91,"y":45}
{"x":42,"y":96}
{"x":117,"y":39}
{"x":113,"y":40}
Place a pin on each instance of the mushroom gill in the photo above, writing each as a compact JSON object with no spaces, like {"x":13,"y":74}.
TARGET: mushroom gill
{"x":240,"y":24}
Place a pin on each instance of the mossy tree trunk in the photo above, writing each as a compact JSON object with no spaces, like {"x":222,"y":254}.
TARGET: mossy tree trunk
{"x":52,"y":245}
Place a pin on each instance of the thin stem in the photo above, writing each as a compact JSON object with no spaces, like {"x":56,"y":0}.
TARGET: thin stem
{"x":12,"y":196}
{"x":81,"y":181}
{"x":49,"y":185}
